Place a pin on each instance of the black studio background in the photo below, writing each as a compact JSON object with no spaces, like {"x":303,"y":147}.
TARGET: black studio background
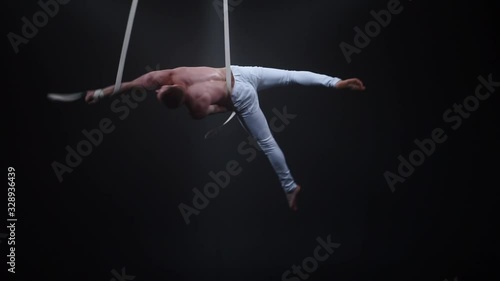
{"x":119,"y":208}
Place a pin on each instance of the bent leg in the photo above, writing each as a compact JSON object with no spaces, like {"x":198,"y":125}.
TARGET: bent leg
{"x":271,"y":77}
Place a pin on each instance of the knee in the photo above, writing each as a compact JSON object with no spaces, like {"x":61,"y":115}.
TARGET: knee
{"x":267,"y":144}
{"x":297,"y":77}
{"x":289,"y":77}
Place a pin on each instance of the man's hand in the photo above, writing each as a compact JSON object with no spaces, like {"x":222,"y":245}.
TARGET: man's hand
{"x":89,"y":98}
{"x":352,"y":84}
{"x":94,"y":96}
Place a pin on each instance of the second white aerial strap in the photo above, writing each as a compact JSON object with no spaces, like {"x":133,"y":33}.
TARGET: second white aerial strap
{"x":227,"y":48}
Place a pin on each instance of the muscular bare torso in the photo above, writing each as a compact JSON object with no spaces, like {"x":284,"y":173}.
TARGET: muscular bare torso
{"x":205,"y":89}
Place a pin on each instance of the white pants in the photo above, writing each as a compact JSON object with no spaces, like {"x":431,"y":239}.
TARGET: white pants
{"x":250,"y":80}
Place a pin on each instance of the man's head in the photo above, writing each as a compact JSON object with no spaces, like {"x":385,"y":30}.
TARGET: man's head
{"x":173,"y":96}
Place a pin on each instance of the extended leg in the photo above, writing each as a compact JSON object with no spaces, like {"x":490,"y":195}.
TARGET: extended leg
{"x":257,"y":126}
{"x":271,"y":77}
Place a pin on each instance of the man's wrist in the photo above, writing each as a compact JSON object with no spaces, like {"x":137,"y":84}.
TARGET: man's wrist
{"x":98,"y":94}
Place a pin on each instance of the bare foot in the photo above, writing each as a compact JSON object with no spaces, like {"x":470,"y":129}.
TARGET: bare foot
{"x":352,"y":84}
{"x":292,"y":198}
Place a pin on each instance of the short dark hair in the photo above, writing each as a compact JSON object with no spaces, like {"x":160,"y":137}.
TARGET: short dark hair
{"x":173,"y":97}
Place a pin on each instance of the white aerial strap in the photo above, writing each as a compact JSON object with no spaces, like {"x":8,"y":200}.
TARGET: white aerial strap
{"x":126,"y":40}
{"x":227,"y":47}
{"x":99,"y":94}
{"x":121,"y":65}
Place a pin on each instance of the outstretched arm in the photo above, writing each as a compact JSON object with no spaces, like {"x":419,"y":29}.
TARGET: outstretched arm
{"x":150,"y":81}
